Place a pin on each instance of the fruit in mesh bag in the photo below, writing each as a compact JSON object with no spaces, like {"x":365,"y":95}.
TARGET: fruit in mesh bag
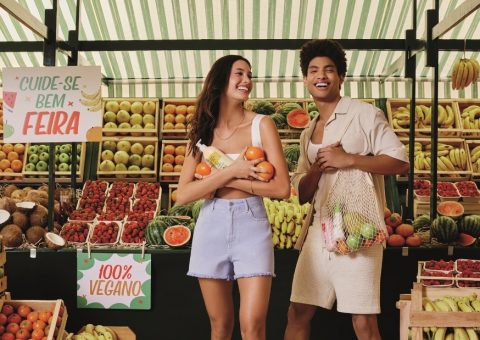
{"x":353,"y":221}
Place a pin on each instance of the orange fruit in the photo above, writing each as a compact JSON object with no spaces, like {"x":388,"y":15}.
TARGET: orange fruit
{"x":37,"y":334}
{"x":16,"y":165}
{"x":19,"y":148}
{"x":179,"y":118}
{"x":169,"y":118}
{"x":7,"y":148}
{"x":4,"y":164}
{"x":44,"y":316}
{"x":177,"y":168}
{"x":268,"y":167}
{"x":191,"y":109}
{"x":179,"y":159}
{"x":169,"y":108}
{"x":169,"y":149}
{"x":32,"y":317}
{"x":12,"y":156}
{"x":180,"y":150}
{"x":179,"y":126}
{"x":203,"y":169}
{"x":168,"y":158}
{"x":181,"y":109}
{"x":173,"y":195}
{"x":168,"y":126}
{"x":254,"y":152}
{"x":3,"y":155}
{"x":167,"y":167}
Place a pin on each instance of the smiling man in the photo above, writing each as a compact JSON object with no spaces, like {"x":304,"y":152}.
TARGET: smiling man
{"x":347,"y":133}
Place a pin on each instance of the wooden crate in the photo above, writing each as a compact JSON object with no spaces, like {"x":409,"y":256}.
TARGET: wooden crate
{"x":170,"y":176}
{"x":57,"y":307}
{"x":471,"y":144}
{"x":149,"y":176}
{"x":171,"y":188}
{"x":123,"y":332}
{"x":60,"y":176}
{"x":412,"y":315}
{"x":468,"y":132}
{"x":14,"y":176}
{"x":174,"y":130}
{"x":394,"y":104}
{"x":420,"y":208}
{"x":457,"y":175}
{"x":152,"y":132}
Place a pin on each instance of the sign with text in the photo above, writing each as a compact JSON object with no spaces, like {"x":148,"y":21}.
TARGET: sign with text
{"x":114,"y":281}
{"x":52,"y":104}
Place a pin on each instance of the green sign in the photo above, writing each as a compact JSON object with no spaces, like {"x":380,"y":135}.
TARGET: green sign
{"x":114,"y":281}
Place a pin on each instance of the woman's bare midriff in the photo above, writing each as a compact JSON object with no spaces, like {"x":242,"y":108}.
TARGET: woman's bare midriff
{"x":230,"y":193}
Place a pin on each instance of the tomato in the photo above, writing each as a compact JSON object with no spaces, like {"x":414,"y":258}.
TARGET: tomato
{"x":203,"y":169}
{"x":254,"y":152}
{"x":268,"y":168}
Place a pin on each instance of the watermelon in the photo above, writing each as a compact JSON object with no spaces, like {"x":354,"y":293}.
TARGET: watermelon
{"x":279,"y":120}
{"x":444,"y":229}
{"x":421,"y":222}
{"x":9,"y":98}
{"x":263,"y":107}
{"x":451,"y":209}
{"x":470,"y":225}
{"x":177,"y":235}
{"x":197,"y":206}
{"x":298,"y":119}
{"x":291,"y":153}
{"x":287,"y":107}
{"x":466,"y":240}
{"x":181,"y":210}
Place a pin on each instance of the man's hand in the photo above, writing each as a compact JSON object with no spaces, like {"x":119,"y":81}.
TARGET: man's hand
{"x":333,"y":157}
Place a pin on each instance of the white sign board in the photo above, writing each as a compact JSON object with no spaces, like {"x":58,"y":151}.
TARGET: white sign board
{"x":52,"y":104}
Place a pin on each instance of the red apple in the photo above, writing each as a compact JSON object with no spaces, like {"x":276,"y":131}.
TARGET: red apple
{"x":27,"y":324}
{"x":13,"y":328}
{"x":23,"y":310}
{"x":7,"y":309}
{"x":22,"y":334}
{"x":15,"y":318}
{"x":3,"y":319}
{"x":8,"y":336}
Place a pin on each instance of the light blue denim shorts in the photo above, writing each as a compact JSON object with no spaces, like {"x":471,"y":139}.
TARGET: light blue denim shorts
{"x":232,"y":240}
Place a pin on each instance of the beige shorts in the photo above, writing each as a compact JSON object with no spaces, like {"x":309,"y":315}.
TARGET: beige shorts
{"x":321,"y":277}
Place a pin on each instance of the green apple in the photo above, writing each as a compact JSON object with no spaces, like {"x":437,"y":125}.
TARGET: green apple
{"x":147,"y":161}
{"x":136,"y":118}
{"x":123,"y":116}
{"x":107,"y":155}
{"x":110,"y":145}
{"x":121,"y":157}
{"x":149,"y":107}
{"x":65,"y":148}
{"x":124,"y":145}
{"x":120,"y":167}
{"x":56,"y":159}
{"x":107,"y":165}
{"x":136,"y":107}
{"x":63,"y":158}
{"x":41,"y":166}
{"x":125,"y":105}
{"x":63,"y":167}
{"x":354,"y":241}
{"x":149,"y":149}
{"x":112,"y":106}
{"x":79,"y":148}
{"x":57,"y":148}
{"x":43,"y":157}
{"x":30,"y":167}
{"x":368,"y":231}
{"x":109,"y":116}
{"x":42,"y":148}
{"x":32,"y":149}
{"x":33,"y":158}
{"x":135,"y":159}
{"x":136,"y":148}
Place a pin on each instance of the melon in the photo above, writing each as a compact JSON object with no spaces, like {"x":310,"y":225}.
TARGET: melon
{"x":466,"y":240}
{"x":177,"y":235}
{"x":54,"y":241}
{"x":298,"y":119}
{"x":421,"y":222}
{"x":451,"y":209}
{"x":470,"y":225}
{"x":444,"y":229}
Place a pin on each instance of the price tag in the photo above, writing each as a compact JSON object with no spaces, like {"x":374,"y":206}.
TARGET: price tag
{"x":33,"y":253}
{"x":404,"y":251}
{"x":450,"y":250}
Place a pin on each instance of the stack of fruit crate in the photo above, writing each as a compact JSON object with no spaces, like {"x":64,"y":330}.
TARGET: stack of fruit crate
{"x":3,"y":277}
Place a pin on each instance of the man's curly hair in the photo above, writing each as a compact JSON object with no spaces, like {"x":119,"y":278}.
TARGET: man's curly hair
{"x":323,"y":48}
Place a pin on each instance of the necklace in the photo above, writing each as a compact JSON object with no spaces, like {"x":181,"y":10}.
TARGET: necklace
{"x":234,"y":130}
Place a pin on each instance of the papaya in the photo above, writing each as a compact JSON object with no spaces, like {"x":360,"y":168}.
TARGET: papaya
{"x":396,"y":240}
{"x":405,"y":230}
{"x":413,"y":241}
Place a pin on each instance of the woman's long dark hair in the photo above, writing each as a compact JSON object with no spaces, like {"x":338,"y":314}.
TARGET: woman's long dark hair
{"x":208,"y":101}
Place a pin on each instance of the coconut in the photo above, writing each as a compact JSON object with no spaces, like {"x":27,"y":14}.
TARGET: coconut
{"x":4,"y":218}
{"x":8,"y":204}
{"x":9,"y":189}
{"x":12,"y":235}
{"x":35,"y":234}
{"x":25,"y":207}
{"x":18,"y":194}
{"x":56,"y":227}
{"x":43,"y":187}
{"x":20,"y":219}
{"x":54,"y":241}
{"x":37,"y":196}
{"x":39,"y":216}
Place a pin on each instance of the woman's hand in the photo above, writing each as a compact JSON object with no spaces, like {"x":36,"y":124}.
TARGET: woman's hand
{"x":245,"y":169}
{"x":333,"y":157}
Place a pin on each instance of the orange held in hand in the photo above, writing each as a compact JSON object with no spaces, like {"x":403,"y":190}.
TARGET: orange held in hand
{"x":203,"y":169}
{"x":254,"y":152}
{"x":268,"y":168}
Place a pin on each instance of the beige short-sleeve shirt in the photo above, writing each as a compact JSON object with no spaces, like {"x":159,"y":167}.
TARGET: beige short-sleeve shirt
{"x":368,"y":134}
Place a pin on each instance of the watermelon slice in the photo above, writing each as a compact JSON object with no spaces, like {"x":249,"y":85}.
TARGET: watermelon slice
{"x":9,"y":98}
{"x":177,"y":235}
{"x":466,"y":240}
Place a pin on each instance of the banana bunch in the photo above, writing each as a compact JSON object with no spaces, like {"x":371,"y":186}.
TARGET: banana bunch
{"x":92,"y":332}
{"x":471,"y":117}
{"x":449,"y":158}
{"x":286,"y":218}
{"x":464,"y":72}
{"x":459,"y":333}
{"x":92,"y":100}
{"x":423,"y":117}
{"x":475,"y":158}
